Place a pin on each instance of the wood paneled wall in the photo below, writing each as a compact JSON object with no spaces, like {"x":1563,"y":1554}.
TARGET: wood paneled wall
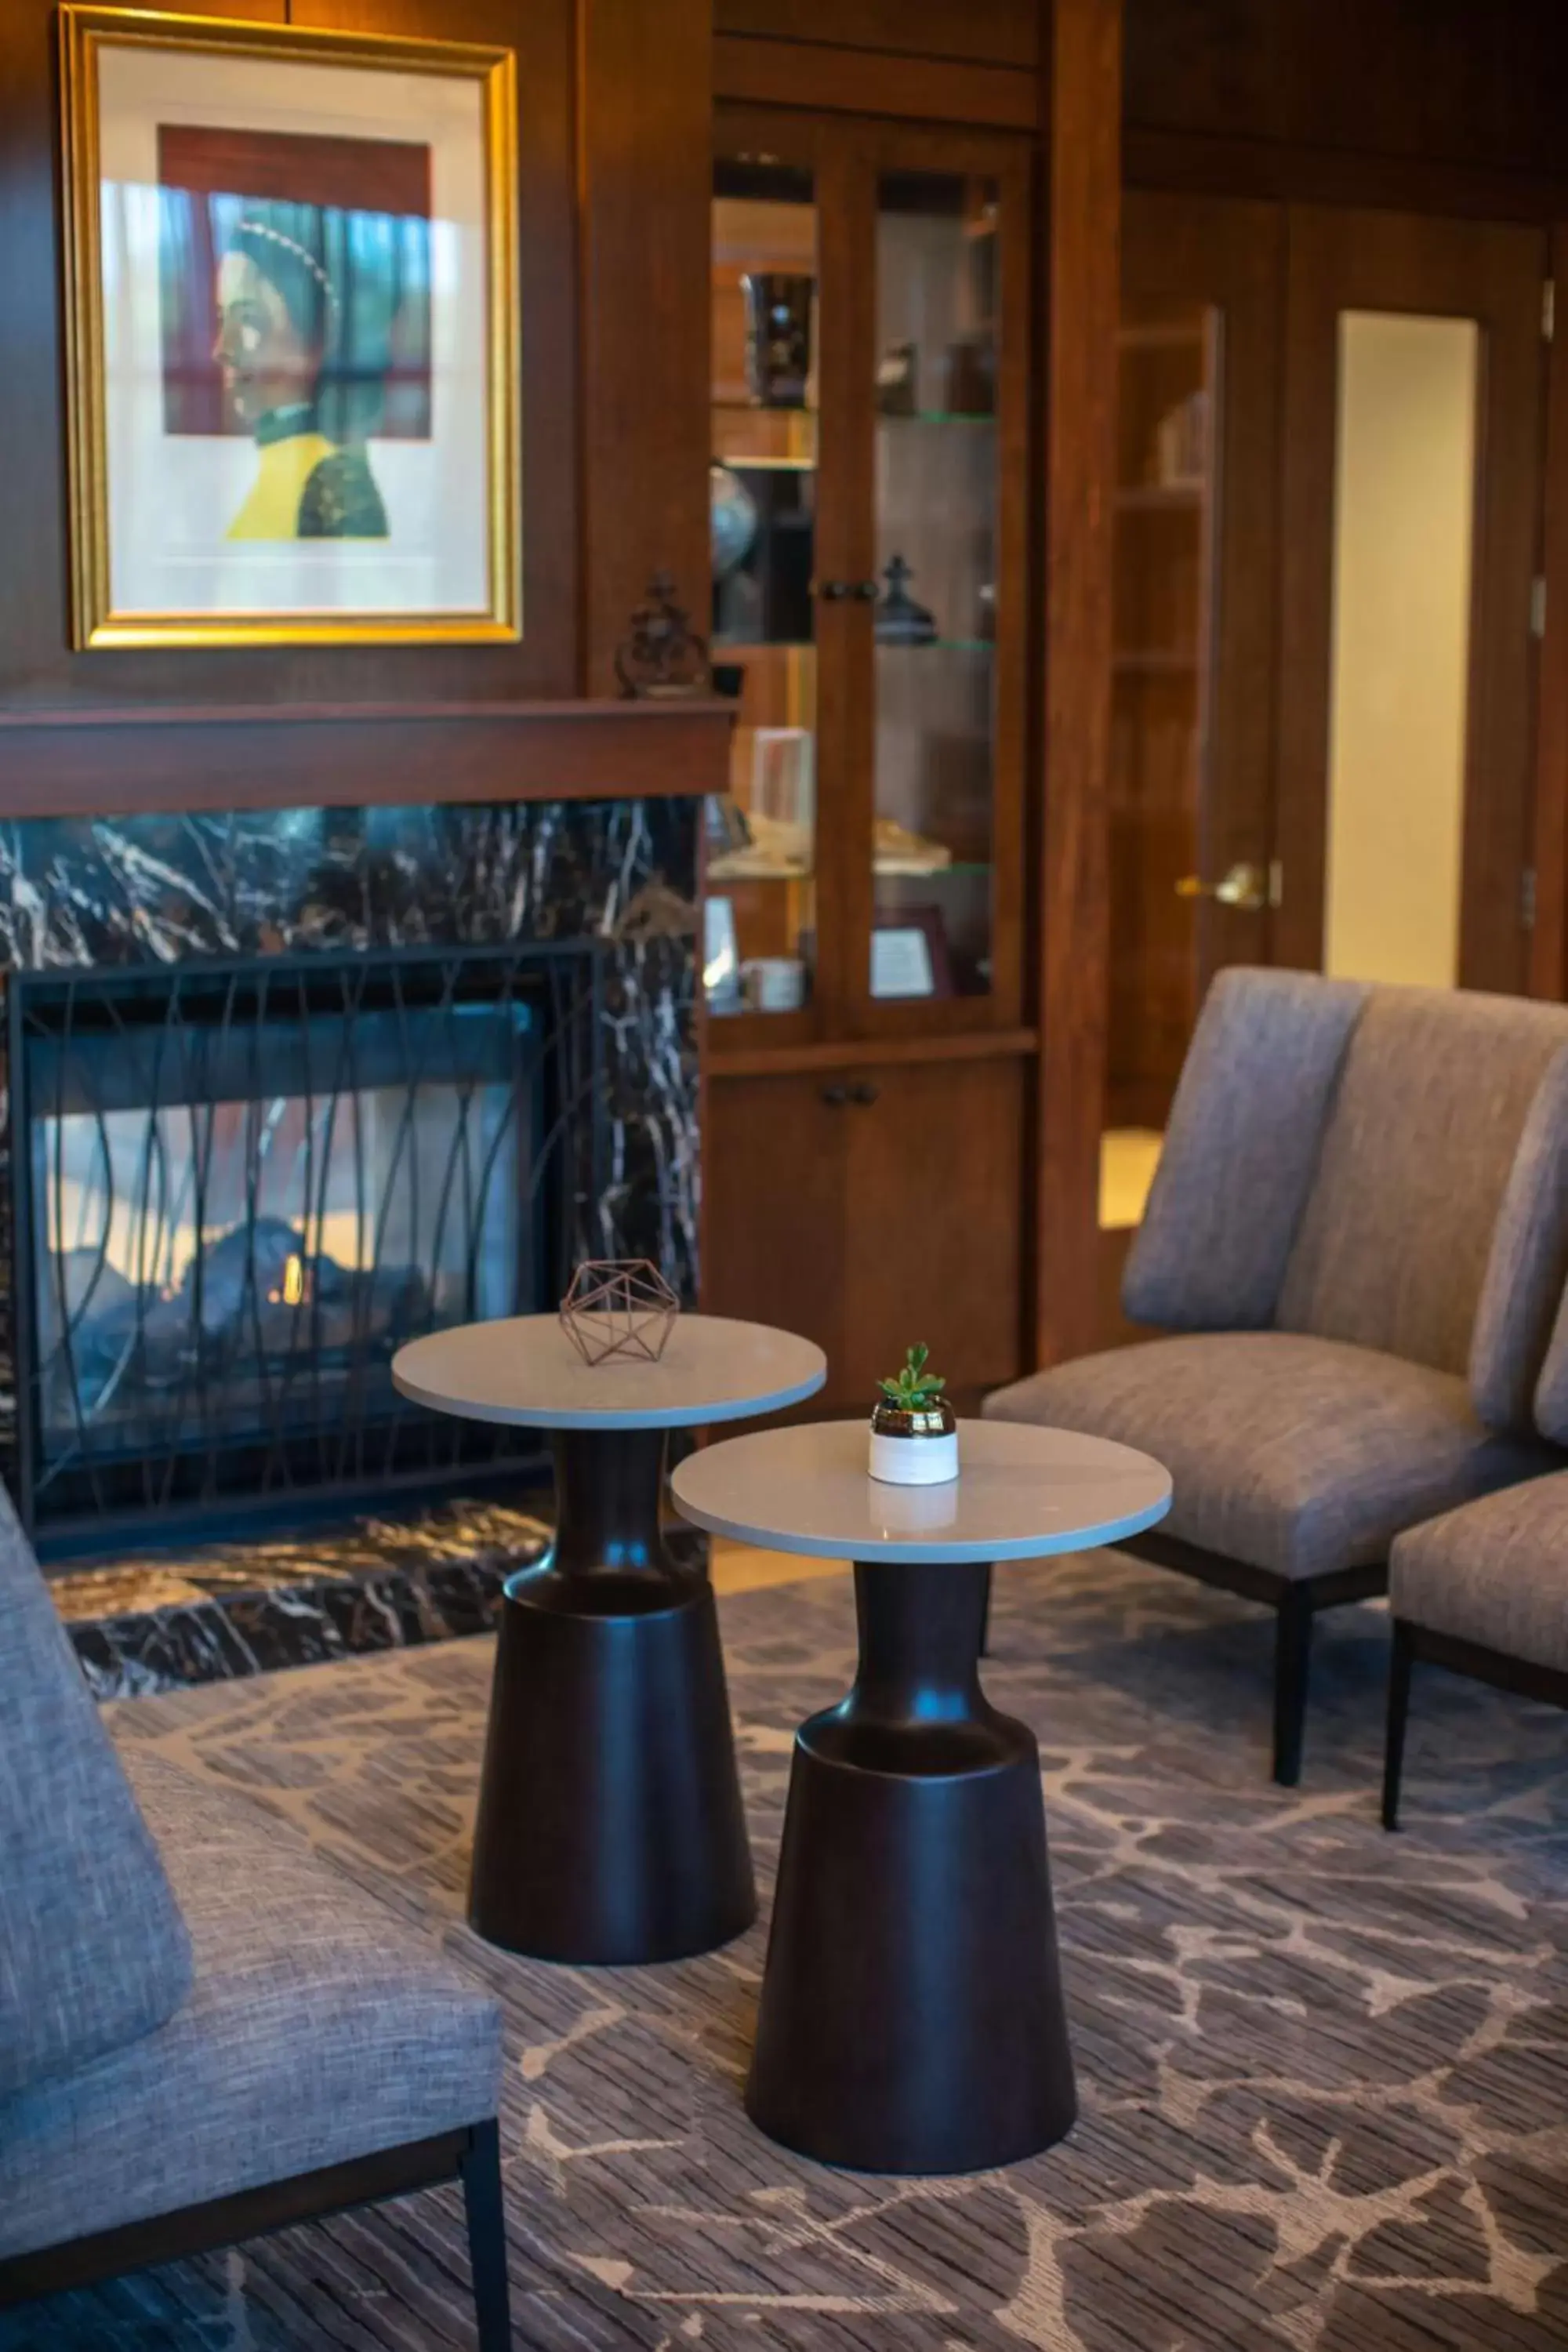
{"x":1080,"y":292}
{"x":993,"y":32}
{"x":644,"y":143}
{"x":1472,"y":81}
{"x":613,"y":102}
{"x":36,"y":668}
{"x":1452,"y":104}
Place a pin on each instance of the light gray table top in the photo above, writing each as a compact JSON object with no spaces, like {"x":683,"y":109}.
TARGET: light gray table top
{"x":525,"y":1371}
{"x":1020,"y":1493}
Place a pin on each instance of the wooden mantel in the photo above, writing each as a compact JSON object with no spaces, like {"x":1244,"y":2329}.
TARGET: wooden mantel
{"x":86,"y":762}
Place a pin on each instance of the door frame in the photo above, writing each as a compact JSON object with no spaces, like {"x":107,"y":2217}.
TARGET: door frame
{"x":1229,"y":257}
{"x":1422,"y":265}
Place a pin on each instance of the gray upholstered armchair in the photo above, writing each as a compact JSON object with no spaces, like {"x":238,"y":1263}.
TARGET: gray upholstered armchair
{"x":1483,"y":1590}
{"x":204,"y":2034}
{"x":1358,"y":1236}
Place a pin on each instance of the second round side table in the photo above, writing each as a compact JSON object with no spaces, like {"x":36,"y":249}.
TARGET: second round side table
{"x":610,"y":1828}
{"x":912,"y":2016}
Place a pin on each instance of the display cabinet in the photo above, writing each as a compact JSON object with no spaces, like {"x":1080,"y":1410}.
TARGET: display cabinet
{"x":865,"y":909}
{"x":869,"y":544}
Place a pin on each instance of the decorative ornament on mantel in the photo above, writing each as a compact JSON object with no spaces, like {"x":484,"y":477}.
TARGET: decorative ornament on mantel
{"x":914,"y":1433}
{"x":663,"y":658}
{"x":619,"y":1307}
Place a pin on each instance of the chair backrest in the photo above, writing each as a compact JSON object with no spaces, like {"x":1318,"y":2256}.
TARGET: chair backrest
{"x":93,"y":1951}
{"x":1386,"y":1166}
{"x":1240,"y":1151}
{"x":1416,"y":1151}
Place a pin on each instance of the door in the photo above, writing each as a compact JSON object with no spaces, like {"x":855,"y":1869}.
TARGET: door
{"x":1193,"y":709}
{"x":871,"y":1207}
{"x":933,"y":1226}
{"x":1411,"y":497}
{"x":776,"y":1171}
{"x":937,"y":623}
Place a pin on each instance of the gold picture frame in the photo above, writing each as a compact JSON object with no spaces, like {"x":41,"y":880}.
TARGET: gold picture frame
{"x":341,"y":530}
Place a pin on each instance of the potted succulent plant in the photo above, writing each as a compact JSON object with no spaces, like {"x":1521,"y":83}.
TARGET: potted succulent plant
{"x":914,"y":1436}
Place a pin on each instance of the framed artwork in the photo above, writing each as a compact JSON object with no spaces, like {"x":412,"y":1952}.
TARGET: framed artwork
{"x":292,"y":338}
{"x":909,"y":953}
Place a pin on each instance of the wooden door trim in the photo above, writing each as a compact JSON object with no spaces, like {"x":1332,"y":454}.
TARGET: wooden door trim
{"x":875,"y":82}
{"x":1394,"y":262}
{"x":1079,"y":307}
{"x":1204,"y":163}
{"x":882,"y":1053}
{"x":1549,"y":942}
{"x":1229,"y":257}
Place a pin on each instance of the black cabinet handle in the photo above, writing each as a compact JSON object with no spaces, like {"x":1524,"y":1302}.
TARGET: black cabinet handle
{"x":865,"y":591}
{"x":830,"y":591}
{"x":863,"y":1092}
{"x":835,"y":1096}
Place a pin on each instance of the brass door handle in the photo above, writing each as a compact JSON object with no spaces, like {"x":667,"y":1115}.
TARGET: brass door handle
{"x":1245,"y":886}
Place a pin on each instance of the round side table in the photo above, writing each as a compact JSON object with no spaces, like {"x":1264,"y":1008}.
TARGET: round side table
{"x":610,"y":1827}
{"x":911,"y":2014}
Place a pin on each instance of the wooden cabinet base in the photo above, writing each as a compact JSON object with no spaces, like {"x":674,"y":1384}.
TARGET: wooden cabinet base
{"x":869,"y":1207}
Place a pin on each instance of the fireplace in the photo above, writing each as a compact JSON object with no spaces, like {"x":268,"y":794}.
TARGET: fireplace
{"x":238,"y":1188}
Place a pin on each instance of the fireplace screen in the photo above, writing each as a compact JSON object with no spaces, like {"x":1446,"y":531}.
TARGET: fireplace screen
{"x":241,"y":1193}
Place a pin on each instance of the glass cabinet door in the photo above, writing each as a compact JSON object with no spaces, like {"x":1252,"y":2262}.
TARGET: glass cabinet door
{"x":869,"y":392}
{"x":761,"y":909}
{"x":936,"y":490}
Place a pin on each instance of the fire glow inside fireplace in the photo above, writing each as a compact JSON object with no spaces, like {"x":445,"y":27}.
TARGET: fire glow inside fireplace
{"x":238,"y":1190}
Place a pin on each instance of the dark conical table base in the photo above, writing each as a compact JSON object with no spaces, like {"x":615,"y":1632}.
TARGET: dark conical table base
{"x":610,"y":1827}
{"x":911,"y":2014}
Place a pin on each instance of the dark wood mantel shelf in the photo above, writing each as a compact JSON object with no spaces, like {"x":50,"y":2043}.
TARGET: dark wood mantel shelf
{"x":303,"y":755}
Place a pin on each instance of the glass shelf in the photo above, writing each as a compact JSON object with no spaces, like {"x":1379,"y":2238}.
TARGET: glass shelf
{"x":738,"y":462}
{"x":772,"y":876}
{"x":936,"y":646}
{"x":960,"y":870}
{"x":936,"y":416}
{"x":762,"y":646}
{"x":721,"y":406}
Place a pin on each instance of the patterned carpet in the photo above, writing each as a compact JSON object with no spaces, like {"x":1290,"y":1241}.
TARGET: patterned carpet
{"x":1324,"y":2073}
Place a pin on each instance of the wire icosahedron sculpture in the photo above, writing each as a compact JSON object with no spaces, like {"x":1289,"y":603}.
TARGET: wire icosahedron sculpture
{"x":619,"y":1307}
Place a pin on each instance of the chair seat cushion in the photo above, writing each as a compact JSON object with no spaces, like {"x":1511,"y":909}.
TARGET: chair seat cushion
{"x":1495,"y":1573}
{"x":1294,"y":1453}
{"x":319,"y":2027}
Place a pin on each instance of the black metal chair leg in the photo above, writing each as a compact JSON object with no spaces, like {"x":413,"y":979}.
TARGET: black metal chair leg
{"x":1292,"y":1653}
{"x":1400,"y":1661}
{"x":487,"y":2236}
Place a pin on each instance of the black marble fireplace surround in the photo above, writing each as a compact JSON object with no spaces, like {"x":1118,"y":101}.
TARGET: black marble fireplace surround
{"x":284,"y":887}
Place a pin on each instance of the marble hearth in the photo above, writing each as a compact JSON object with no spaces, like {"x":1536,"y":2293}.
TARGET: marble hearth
{"x":91,"y":896}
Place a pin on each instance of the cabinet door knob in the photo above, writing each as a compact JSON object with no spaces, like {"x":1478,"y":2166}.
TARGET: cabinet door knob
{"x":863,"y":1092}
{"x":830,"y":591}
{"x":835,"y":1096}
{"x":865,"y":591}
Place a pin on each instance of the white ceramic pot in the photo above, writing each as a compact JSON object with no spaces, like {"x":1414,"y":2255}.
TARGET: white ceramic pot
{"x":922,"y":1459}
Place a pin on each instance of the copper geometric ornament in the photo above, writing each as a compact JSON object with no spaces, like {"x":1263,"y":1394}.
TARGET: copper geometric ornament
{"x":619,"y":1307}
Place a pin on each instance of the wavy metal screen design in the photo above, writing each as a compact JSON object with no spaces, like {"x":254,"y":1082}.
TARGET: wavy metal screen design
{"x":240,"y":1189}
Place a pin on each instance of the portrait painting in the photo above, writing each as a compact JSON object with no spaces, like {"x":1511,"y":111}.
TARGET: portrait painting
{"x":292,"y":364}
